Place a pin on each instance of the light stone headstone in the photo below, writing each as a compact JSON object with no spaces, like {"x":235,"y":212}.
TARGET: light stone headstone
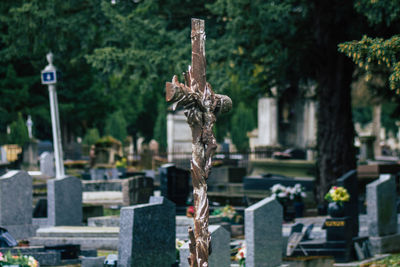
{"x":179,"y":135}
{"x":47,"y":166}
{"x":64,"y":201}
{"x":3,"y":155}
{"x":267,"y":121}
{"x":263,"y":232}
{"x":381,"y":206}
{"x":147,"y":234}
{"x":16,"y":204}
{"x":220,"y":256}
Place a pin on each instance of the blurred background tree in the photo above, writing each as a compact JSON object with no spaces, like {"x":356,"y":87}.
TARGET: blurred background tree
{"x":18,"y":132}
{"x":118,"y":56}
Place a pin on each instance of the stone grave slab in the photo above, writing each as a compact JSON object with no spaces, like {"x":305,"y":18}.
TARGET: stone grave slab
{"x":147,"y":234}
{"x":64,"y":201}
{"x":16,"y":204}
{"x":263,"y":232}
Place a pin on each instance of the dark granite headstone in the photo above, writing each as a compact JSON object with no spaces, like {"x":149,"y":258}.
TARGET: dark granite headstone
{"x":64,"y":201}
{"x":307,"y":233}
{"x":16,"y":204}
{"x":174,"y":183}
{"x":93,"y":261}
{"x":147,"y":234}
{"x":263,"y":232}
{"x":220,"y":256}
{"x":338,"y":229}
{"x":381,"y":206}
{"x":382,"y":216}
{"x":296,"y":228}
{"x":350,"y":182}
{"x":40,"y":210}
{"x":226,"y":174}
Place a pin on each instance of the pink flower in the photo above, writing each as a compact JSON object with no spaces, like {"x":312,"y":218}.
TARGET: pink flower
{"x":1,"y":257}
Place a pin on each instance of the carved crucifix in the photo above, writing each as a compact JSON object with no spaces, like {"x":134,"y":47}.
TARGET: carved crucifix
{"x":201,"y":106}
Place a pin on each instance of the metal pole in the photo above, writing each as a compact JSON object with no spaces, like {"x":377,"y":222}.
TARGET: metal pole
{"x":49,"y":77}
{"x":55,"y":123}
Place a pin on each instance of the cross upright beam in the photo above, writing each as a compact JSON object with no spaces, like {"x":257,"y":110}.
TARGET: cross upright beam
{"x":201,"y":106}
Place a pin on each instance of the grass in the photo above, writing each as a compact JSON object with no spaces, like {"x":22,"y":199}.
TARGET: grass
{"x":392,"y":260}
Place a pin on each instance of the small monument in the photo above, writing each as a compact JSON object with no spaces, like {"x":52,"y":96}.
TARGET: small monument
{"x":263,"y":232}
{"x":382,"y":215}
{"x":16,"y":204}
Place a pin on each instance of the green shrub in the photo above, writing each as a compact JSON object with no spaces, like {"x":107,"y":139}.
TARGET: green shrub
{"x":18,"y":132}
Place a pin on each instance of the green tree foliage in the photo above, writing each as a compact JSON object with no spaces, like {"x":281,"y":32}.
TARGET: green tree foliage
{"x":160,"y":127}
{"x":70,"y":29}
{"x":18,"y":132}
{"x":242,"y":122}
{"x":371,"y":54}
{"x":116,"y":126}
{"x":288,"y":45}
{"x":91,"y":137}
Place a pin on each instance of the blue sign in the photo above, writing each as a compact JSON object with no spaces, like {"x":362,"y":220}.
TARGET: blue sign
{"x":49,"y":77}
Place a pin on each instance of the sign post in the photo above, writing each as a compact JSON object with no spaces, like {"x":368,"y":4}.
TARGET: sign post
{"x":49,"y":77}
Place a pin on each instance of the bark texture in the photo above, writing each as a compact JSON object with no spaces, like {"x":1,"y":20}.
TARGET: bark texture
{"x":335,"y":134}
{"x":201,"y":106}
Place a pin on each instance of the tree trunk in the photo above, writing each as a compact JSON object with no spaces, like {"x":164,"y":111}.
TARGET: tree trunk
{"x":335,"y":134}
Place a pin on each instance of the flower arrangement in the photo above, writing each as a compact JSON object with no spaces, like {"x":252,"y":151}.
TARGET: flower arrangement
{"x":229,"y":214}
{"x":241,"y":255}
{"x":337,"y":194}
{"x":190,"y":211}
{"x":122,"y":163}
{"x":21,"y":260}
{"x":283,"y":193}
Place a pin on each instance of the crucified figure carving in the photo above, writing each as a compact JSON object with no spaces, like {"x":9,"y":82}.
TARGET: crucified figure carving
{"x":201,"y":106}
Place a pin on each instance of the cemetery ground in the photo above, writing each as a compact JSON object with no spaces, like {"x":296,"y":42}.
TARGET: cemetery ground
{"x":135,"y":215}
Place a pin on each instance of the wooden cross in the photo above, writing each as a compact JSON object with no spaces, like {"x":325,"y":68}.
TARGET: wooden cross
{"x":201,"y":106}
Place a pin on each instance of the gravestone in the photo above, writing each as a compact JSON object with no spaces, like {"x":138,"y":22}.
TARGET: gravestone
{"x":137,"y":190}
{"x":179,"y":136}
{"x":16,"y":204}
{"x":220,"y":256}
{"x":263,"y":232}
{"x":47,"y":166}
{"x":64,"y":201}
{"x":267,"y":121}
{"x":174,"y":183}
{"x":92,"y":261}
{"x":350,"y":182}
{"x":382,"y":214}
{"x":147,"y":234}
{"x":30,"y":151}
{"x":3,"y":155}
{"x":226,"y":174}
